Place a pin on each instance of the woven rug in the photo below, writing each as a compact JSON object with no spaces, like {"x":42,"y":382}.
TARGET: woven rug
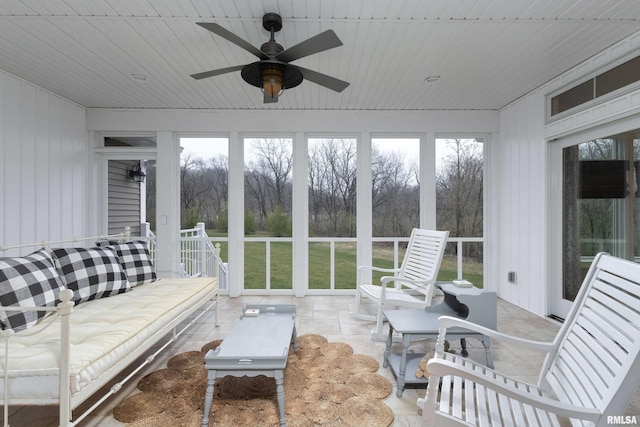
{"x":324,"y":383}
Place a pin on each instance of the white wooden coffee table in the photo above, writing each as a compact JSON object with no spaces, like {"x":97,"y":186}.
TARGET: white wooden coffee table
{"x":254,"y":346}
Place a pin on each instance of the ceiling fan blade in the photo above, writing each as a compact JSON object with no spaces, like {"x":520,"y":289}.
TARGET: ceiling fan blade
{"x":323,"y":79}
{"x":217,"y":72}
{"x":270,"y":100}
{"x":323,"y":41}
{"x":224,"y":33}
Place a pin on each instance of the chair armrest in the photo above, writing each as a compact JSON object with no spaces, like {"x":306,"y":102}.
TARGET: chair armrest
{"x":398,"y":281}
{"x":487,"y":377}
{"x":446,"y":322}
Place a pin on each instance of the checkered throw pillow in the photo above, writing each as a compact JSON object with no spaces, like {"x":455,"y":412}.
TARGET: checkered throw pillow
{"x":136,"y":262}
{"x":91,"y":273}
{"x":30,"y":281}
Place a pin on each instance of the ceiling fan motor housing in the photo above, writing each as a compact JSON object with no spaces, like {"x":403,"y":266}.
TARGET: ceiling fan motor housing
{"x":272,"y":22}
{"x":271,"y":48}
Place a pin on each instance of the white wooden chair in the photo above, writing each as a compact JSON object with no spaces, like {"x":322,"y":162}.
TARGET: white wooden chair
{"x":588,"y":378}
{"x":413,"y":282}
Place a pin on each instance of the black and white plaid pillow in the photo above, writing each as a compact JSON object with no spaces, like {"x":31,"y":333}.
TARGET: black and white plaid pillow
{"x":91,"y":273}
{"x":136,"y":262}
{"x":30,"y":281}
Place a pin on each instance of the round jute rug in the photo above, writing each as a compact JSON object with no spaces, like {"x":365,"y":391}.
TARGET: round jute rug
{"x":325,"y":384}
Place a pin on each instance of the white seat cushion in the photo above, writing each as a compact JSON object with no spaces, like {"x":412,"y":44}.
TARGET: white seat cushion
{"x":103,"y":331}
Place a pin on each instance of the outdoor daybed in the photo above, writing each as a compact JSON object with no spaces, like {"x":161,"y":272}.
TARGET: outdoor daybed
{"x":101,"y":309}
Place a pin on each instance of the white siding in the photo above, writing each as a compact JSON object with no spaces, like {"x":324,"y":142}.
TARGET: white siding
{"x":525,"y":237}
{"x":521,"y":200}
{"x":44,"y":158}
{"x":123,"y":198}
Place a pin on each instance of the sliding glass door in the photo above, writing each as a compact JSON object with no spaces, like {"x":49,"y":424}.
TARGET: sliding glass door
{"x":600,"y":205}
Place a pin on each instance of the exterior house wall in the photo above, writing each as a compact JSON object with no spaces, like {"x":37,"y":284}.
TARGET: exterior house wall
{"x":529,"y":177}
{"x":124,"y":203}
{"x":521,"y":201}
{"x":44,"y":160}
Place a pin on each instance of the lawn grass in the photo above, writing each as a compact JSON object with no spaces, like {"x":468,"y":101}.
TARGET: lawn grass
{"x":320,"y":266}
{"x":344,"y":265}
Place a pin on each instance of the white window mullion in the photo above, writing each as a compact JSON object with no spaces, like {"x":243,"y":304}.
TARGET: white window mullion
{"x":267,"y":268}
{"x":364,"y":202}
{"x":300,"y":215}
{"x":428,"y":181}
{"x":236,"y":215}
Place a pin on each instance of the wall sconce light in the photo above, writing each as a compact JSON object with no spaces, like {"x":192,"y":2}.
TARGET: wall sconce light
{"x":135,"y":174}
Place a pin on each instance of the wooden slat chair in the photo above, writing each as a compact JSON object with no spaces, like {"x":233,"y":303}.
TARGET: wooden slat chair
{"x":588,"y":378}
{"x":412,"y":283}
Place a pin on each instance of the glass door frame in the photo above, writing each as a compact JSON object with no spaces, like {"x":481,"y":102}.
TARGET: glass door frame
{"x":556,"y":304}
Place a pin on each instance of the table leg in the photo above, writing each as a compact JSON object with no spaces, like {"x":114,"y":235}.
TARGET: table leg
{"x":208,"y":397}
{"x":387,"y":351}
{"x":295,"y":339}
{"x":406,"y":340}
{"x":486,"y":342}
{"x":463,"y":344}
{"x":280,"y":394}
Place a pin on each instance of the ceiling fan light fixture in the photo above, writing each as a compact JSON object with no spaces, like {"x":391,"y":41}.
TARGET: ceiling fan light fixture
{"x":273,"y":73}
{"x":272,"y":79}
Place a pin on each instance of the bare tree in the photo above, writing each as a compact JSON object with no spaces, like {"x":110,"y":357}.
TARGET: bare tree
{"x":216,"y":177}
{"x":316,"y":186}
{"x":332,"y":186}
{"x":394,"y":194}
{"x":275,"y":160}
{"x":268,"y":178}
{"x":193,"y":189}
{"x":459,"y":189}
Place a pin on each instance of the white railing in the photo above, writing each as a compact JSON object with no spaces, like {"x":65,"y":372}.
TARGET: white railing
{"x":198,"y":254}
{"x":332,"y":241}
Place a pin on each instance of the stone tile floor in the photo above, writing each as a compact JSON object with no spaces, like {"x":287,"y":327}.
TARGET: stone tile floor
{"x":329,"y":316}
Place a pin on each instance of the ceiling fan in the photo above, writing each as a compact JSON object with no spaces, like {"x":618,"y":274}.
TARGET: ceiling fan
{"x":273,"y":73}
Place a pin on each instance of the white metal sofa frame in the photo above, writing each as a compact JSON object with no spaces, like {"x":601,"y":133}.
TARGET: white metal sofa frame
{"x":413,"y":282}
{"x":64,"y":310}
{"x":589,"y":376}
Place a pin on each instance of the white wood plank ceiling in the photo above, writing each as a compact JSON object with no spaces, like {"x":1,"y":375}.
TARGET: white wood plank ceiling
{"x":487,"y":52}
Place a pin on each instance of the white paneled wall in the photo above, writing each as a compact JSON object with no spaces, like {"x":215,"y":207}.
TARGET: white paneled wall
{"x":44,"y":158}
{"x":523,"y":232}
{"x":521,"y":198}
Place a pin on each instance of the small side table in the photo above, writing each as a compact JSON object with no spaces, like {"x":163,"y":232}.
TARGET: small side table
{"x":255,"y":346}
{"x":416,"y":324}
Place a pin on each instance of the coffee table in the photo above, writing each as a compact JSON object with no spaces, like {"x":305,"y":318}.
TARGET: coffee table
{"x":473,"y":304}
{"x":255,"y":346}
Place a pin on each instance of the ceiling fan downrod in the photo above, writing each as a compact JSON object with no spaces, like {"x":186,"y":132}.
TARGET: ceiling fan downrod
{"x":272,"y":22}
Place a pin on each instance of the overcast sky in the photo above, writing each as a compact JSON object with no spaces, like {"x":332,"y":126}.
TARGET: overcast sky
{"x":207,"y":148}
